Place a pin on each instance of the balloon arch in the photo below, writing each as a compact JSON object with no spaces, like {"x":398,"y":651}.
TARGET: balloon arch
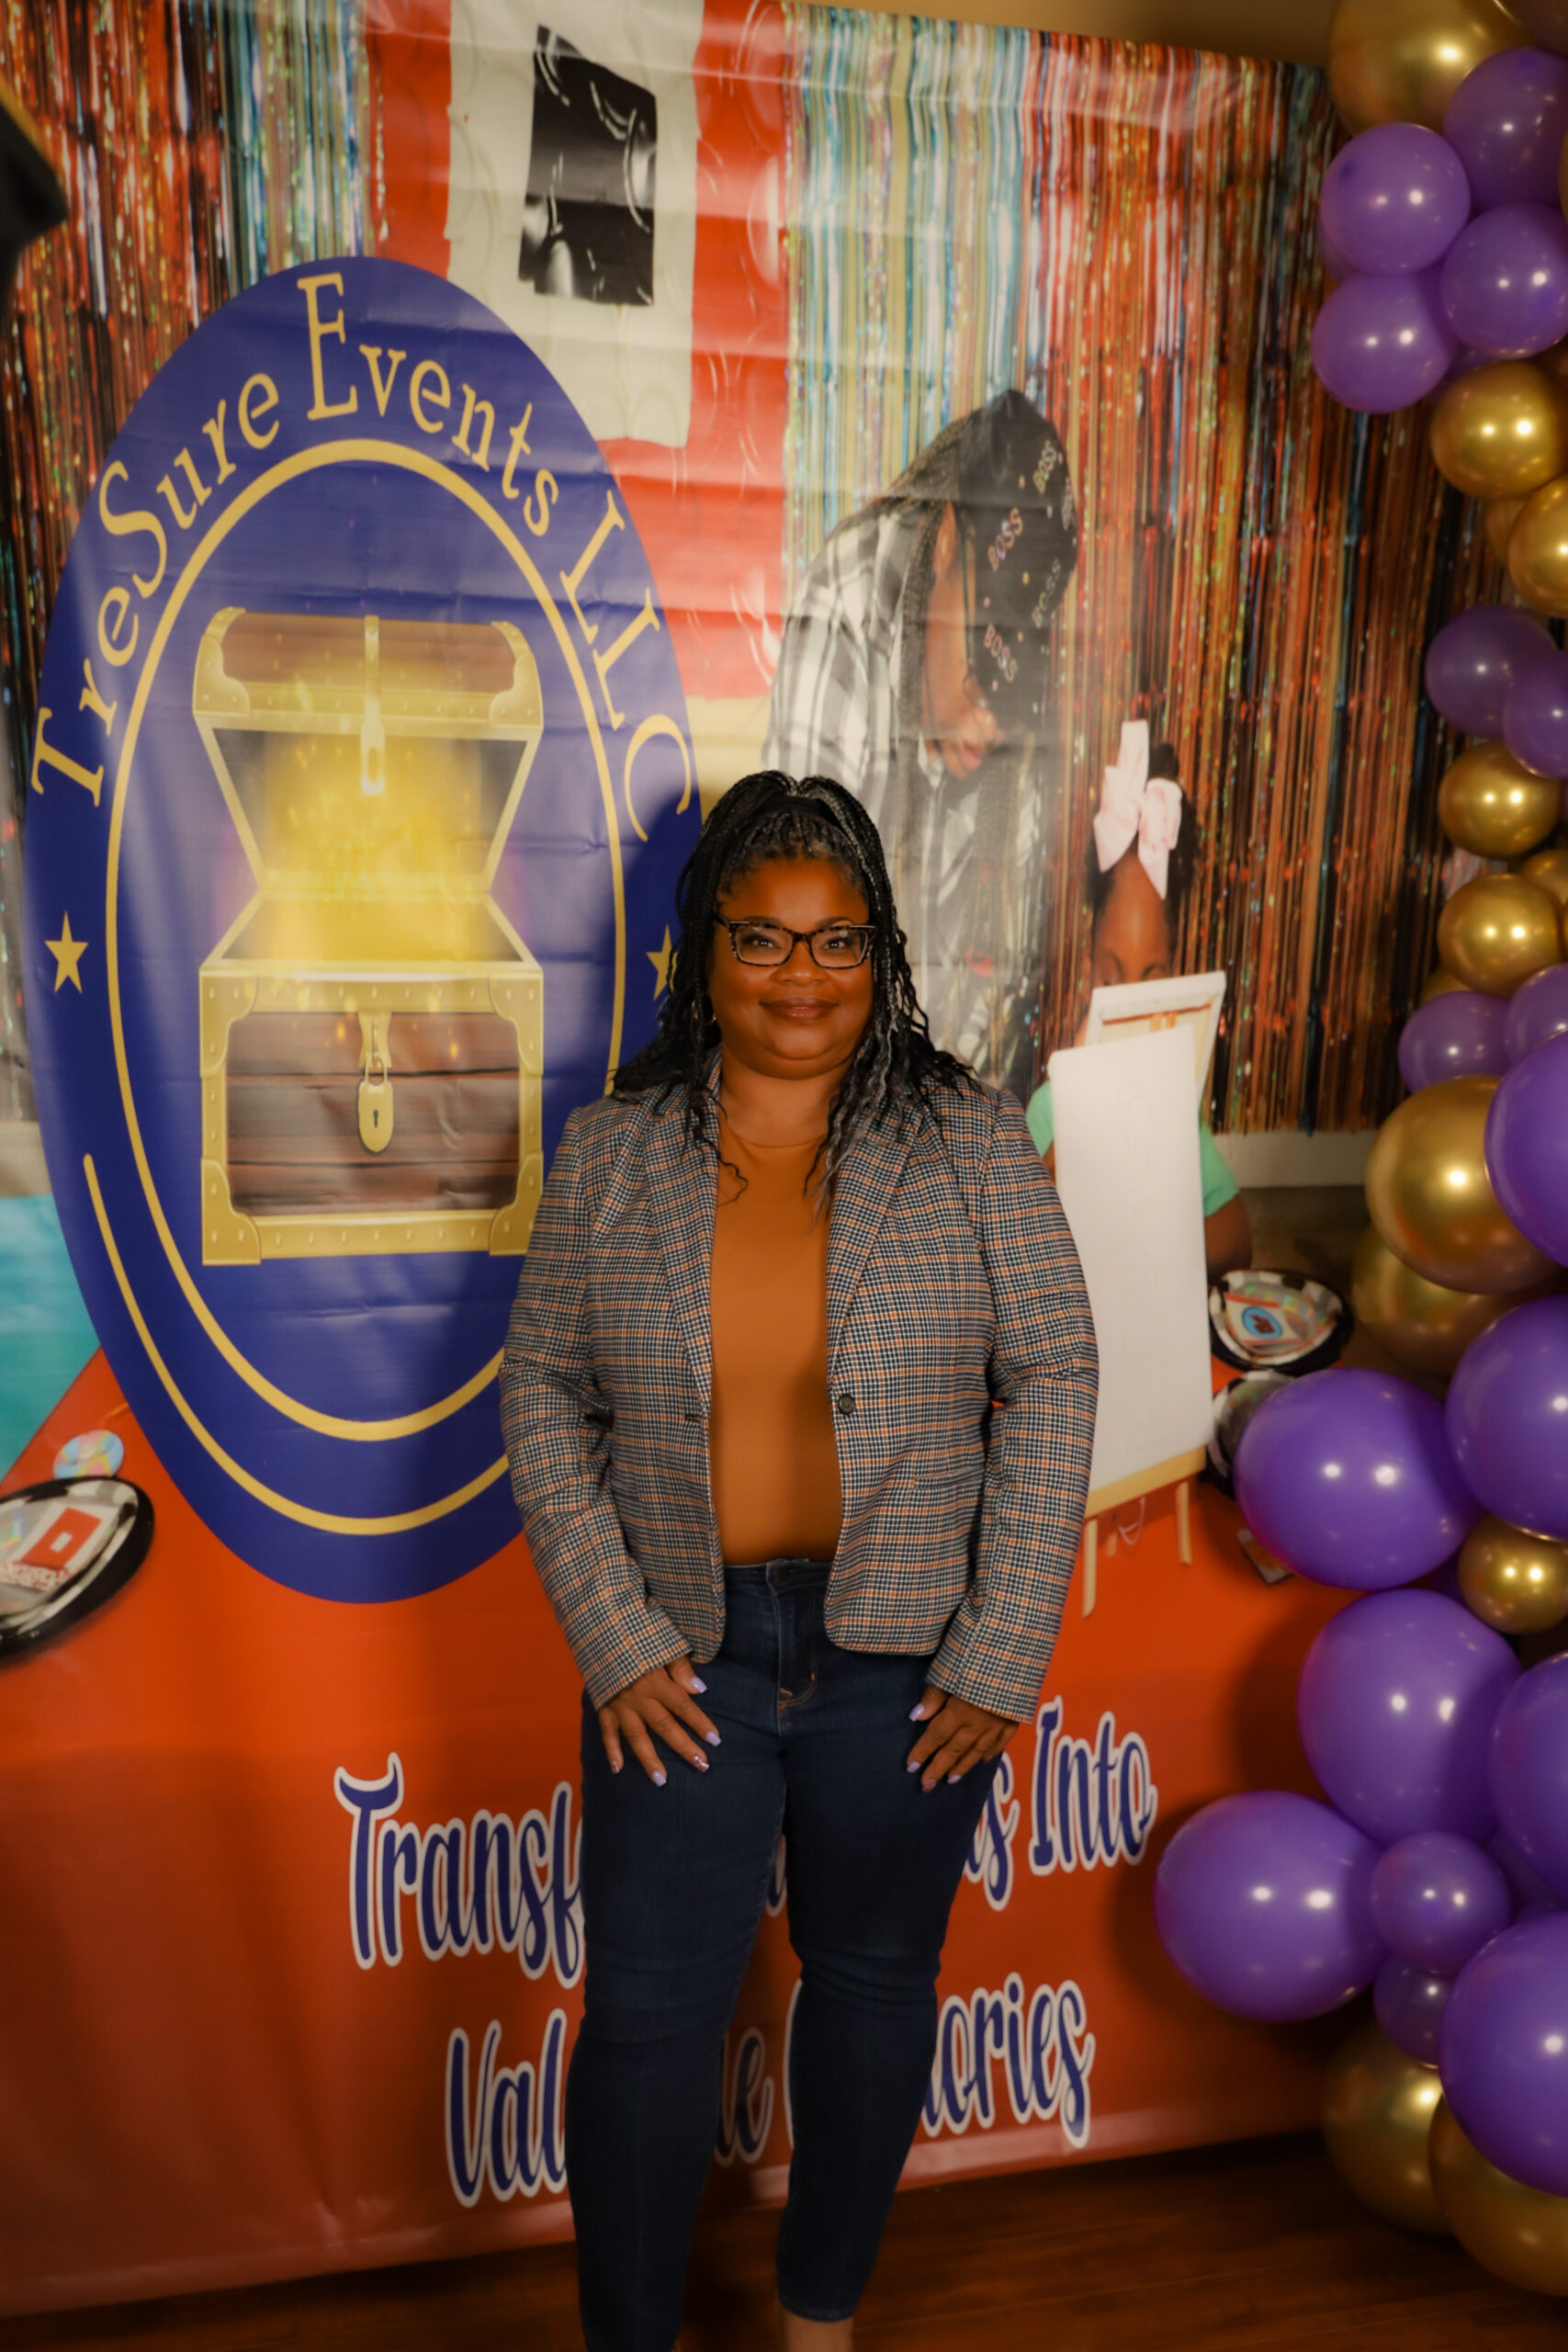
{"x":1434,"y":1708}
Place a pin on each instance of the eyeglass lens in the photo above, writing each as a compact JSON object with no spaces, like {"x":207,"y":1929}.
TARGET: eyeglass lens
{"x":837,"y":949}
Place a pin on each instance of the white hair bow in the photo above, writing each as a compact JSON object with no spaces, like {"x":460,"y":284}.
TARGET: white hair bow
{"x":1136,"y":805}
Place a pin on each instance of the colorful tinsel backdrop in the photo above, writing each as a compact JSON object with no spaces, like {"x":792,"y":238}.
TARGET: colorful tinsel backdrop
{"x":1126,"y":232}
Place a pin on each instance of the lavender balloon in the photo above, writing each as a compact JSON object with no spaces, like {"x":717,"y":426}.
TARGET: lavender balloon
{"x":1503,"y":2053}
{"x":1507,"y":1414}
{"x":1529,"y":1890}
{"x":1505,"y":281}
{"x":1478,"y":662}
{"x":1505,"y":122}
{"x":1527,"y":1151}
{"x":1347,"y":1476}
{"x":1535,"y":712}
{"x":1395,"y":1705}
{"x":1409,"y":2006}
{"x":1381,"y":342}
{"x":1536,"y":1012}
{"x":1337,"y":266}
{"x":1529,"y":1771}
{"x":1436,"y":1899}
{"x":1458,"y":1034}
{"x":1260,"y":1902}
{"x":1395,"y":199}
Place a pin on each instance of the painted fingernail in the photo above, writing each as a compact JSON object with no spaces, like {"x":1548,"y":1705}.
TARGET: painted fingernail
{"x":954,"y":1776}
{"x":696,"y":1684}
{"x":712,"y":1737}
{"x":659,"y":1780}
{"x":918,"y":1714}
{"x":913,"y":1765}
{"x":614,"y":1768}
{"x":699,"y":1763}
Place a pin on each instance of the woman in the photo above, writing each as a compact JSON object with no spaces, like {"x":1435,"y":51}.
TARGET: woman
{"x":799,"y":1390}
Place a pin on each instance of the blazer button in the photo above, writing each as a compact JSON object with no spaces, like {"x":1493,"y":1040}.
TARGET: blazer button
{"x":846,"y":1400}
{"x":694,"y":1417}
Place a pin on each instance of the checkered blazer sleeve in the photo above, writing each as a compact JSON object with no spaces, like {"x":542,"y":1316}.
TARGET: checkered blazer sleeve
{"x":1043,"y":1378}
{"x":556,"y":1420}
{"x":816,"y":721}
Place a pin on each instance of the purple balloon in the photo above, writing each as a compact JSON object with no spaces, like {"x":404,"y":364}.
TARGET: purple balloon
{"x":1395,"y":199}
{"x":1337,"y":266}
{"x":1504,"y":282}
{"x":1536,"y":1012}
{"x":1507,"y":1414}
{"x":1409,"y":2006}
{"x":1260,"y":1902}
{"x":1395,"y":1704}
{"x":1503,"y":2053}
{"x":1465,"y":1040}
{"x":1529,"y":1771}
{"x":1347,"y":1476}
{"x":1478,"y":661}
{"x":1528,"y":1889}
{"x":1535,"y":713}
{"x":1527,"y":1150}
{"x":1436,"y":1899}
{"x":1505,"y":122}
{"x":1381,"y":342}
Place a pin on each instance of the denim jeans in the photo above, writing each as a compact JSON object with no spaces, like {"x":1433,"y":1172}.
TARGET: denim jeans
{"x":815,"y":1742}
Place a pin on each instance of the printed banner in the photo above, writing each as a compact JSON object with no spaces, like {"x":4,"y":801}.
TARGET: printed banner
{"x":450,"y":447}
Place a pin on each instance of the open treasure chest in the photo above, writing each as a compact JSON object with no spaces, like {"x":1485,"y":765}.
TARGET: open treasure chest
{"x":372,"y":1026}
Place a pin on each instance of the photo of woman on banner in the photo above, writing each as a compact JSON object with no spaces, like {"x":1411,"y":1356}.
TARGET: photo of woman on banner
{"x":915,"y":668}
{"x":1141,"y":859}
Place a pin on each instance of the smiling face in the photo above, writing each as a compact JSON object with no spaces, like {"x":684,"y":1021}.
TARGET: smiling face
{"x":789,"y":1020}
{"x":1132,"y":931}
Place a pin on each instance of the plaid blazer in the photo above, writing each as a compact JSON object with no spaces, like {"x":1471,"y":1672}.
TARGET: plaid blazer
{"x":961,"y":1363}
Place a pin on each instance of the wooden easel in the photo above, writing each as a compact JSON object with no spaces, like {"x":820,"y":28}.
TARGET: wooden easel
{"x":1177,"y":1472}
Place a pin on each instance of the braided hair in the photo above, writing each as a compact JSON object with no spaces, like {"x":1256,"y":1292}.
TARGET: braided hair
{"x":763,"y":817}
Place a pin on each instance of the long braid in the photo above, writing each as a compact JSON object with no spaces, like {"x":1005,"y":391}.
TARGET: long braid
{"x":765,"y":816}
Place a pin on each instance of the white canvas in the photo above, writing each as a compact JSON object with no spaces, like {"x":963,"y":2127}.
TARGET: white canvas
{"x":1191,"y":1000}
{"x":1128,"y":1173}
{"x":628,"y":368}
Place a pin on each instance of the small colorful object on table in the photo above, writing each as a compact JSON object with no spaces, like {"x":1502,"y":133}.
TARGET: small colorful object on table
{"x":96,"y":1453}
{"x":66,"y":1546}
{"x":1262,"y":1322}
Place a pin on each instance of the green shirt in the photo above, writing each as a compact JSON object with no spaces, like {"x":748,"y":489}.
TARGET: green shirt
{"x":1219,"y":1184}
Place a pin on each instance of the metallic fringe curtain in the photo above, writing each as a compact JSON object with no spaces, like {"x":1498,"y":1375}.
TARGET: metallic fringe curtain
{"x":1128,"y":234}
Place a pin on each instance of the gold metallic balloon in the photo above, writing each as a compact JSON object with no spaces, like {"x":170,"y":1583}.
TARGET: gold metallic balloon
{"x":1491,"y":803}
{"x":1549,"y":870}
{"x":1513,"y":1579}
{"x":1430,"y":1200}
{"x":1377,"y":2116}
{"x":1502,"y":431}
{"x":1517,"y":2233}
{"x":1440,"y":983}
{"x":1538,"y":549}
{"x":1497,"y":522}
{"x":1424,"y":1326}
{"x":1497,"y":931}
{"x":1401,"y":61}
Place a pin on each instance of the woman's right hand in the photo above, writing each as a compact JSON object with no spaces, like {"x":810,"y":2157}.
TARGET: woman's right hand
{"x":659,"y":1702}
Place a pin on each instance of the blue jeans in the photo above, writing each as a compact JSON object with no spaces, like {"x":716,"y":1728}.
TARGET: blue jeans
{"x":815,"y":1743}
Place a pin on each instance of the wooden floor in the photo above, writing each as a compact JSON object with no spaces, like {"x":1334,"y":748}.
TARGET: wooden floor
{"x":1240,"y":2247}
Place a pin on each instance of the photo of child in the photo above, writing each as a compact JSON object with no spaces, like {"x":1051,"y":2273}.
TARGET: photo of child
{"x":1143,"y":857}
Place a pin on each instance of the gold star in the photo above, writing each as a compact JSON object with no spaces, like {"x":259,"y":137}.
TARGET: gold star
{"x":659,"y":959}
{"x":67,"y":954}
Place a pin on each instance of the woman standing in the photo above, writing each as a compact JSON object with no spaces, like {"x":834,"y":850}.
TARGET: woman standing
{"x":799,"y":1390}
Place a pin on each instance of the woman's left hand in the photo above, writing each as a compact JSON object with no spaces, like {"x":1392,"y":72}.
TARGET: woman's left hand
{"x":956,"y":1736}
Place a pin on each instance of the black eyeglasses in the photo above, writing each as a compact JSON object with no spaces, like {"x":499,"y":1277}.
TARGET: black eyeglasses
{"x":835,"y":946}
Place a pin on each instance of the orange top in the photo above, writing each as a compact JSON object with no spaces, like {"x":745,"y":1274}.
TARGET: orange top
{"x":774,"y":1462}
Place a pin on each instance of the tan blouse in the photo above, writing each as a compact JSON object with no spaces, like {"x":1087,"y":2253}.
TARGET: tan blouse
{"x":773,"y":1459}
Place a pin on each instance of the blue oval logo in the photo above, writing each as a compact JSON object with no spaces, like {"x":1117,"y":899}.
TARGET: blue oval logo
{"x":361,"y":782}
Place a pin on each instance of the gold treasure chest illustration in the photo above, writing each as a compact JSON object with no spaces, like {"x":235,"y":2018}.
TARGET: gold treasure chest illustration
{"x":372,"y":1026}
